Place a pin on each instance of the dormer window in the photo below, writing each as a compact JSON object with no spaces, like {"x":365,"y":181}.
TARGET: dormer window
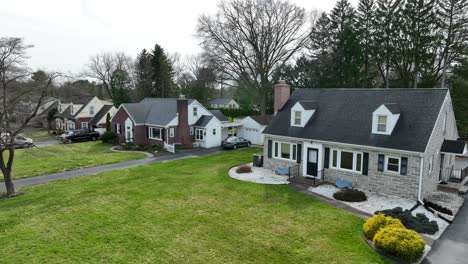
{"x":91,"y":110}
{"x":297,"y":118}
{"x":195,"y":111}
{"x":382,"y":123}
{"x":385,"y":118}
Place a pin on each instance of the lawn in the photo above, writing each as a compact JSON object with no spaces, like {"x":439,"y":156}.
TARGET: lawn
{"x":38,"y":135}
{"x":184,"y":211}
{"x":36,"y":161}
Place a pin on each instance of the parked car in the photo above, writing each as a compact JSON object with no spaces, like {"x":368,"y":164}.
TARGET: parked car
{"x":236,"y":142}
{"x":79,"y":135}
{"x":20,"y":141}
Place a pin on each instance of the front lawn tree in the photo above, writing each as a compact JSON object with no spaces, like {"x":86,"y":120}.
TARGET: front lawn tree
{"x":20,"y":99}
{"x":248,"y":39}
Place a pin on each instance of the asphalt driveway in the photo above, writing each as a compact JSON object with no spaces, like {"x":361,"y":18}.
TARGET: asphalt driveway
{"x":452,"y":247}
{"x":109,"y":167}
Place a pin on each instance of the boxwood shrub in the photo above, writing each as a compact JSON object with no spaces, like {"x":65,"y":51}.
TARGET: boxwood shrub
{"x":400,"y":242}
{"x":419,"y":223}
{"x":377,"y":222}
{"x":244,"y":169}
{"x":350,"y":195}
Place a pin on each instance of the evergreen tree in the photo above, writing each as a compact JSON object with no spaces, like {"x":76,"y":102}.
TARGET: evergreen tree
{"x":453,"y":27}
{"x":365,"y":21}
{"x":386,"y":26}
{"x":108,"y":123}
{"x":346,"y":50}
{"x":415,"y":45}
{"x":120,"y":87}
{"x":460,"y":97}
{"x":144,"y":74}
{"x":162,"y":73}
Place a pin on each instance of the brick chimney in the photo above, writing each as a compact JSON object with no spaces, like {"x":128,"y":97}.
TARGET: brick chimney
{"x":183,"y":129}
{"x":282,"y":92}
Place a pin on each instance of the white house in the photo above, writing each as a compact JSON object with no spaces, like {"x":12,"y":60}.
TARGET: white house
{"x":252,"y":127}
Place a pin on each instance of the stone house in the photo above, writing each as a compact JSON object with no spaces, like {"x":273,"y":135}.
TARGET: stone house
{"x":395,"y":141}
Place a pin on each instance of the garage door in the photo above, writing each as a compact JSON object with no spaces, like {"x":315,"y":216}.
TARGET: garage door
{"x":252,"y":134}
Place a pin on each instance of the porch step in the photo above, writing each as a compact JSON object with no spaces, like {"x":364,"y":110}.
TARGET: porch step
{"x":305,"y":181}
{"x":447,"y":188}
{"x":463,"y":190}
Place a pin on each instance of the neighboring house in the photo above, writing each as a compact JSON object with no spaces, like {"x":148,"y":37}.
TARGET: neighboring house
{"x":98,"y":122}
{"x":253,"y":126}
{"x":224,"y":103}
{"x":395,"y":141}
{"x":41,"y":118}
{"x":167,"y":122}
{"x":73,"y":116}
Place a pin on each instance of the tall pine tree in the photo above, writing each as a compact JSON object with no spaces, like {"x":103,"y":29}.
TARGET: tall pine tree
{"x":365,"y":21}
{"x":144,"y":74}
{"x":120,"y":87}
{"x":162,"y":73}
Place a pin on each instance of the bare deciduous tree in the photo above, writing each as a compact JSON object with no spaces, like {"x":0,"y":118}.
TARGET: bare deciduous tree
{"x":248,"y":39}
{"x":103,"y":65}
{"x":20,"y":99}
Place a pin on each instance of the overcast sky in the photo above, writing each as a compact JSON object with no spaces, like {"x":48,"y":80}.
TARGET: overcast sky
{"x":66,"y":32}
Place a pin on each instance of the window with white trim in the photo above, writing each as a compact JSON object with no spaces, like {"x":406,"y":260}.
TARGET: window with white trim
{"x":287,"y":151}
{"x":199,"y":134}
{"x":195,"y":111}
{"x":191,"y":131}
{"x":214,"y":131}
{"x":382,"y":123}
{"x":346,"y":160}
{"x":91,"y":110}
{"x":84,"y":125}
{"x":171,"y":132}
{"x":155,"y":133}
{"x":392,"y":164}
{"x":297,"y":118}
{"x":117,"y":129}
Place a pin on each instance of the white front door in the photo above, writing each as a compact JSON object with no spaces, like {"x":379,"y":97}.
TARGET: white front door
{"x":128,"y":130}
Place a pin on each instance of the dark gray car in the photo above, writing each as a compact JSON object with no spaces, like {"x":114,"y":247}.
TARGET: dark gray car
{"x":236,"y":142}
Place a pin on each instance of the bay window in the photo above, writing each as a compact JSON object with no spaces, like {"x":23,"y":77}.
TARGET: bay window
{"x":346,"y":160}
{"x":155,"y":133}
{"x":285,"y":151}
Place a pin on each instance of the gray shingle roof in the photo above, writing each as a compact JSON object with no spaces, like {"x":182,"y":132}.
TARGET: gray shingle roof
{"x":155,"y":111}
{"x":221,"y":117}
{"x":309,"y":105}
{"x":453,"y":146}
{"x":262,"y":119}
{"x":99,"y":115}
{"x":203,"y":121}
{"x":394,"y":108}
{"x":345,"y":116}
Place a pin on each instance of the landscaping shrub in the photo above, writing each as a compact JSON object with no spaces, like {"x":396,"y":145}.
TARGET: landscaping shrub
{"x":108,"y":137}
{"x":377,"y":222}
{"x":350,"y":195}
{"x":400,"y":242}
{"x":58,"y":132}
{"x":419,"y":223}
{"x":244,"y":169}
{"x":438,"y":207}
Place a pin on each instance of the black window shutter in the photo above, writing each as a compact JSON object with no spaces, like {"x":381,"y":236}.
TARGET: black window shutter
{"x":147,"y":132}
{"x":404,"y":166}
{"x":327,"y":158}
{"x":365,"y":164}
{"x":270,"y":146}
{"x":299,"y":153}
{"x":115,"y":128}
{"x":381,"y":162}
{"x":163,"y":133}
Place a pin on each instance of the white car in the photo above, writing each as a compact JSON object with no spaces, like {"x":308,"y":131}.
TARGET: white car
{"x":20,"y":141}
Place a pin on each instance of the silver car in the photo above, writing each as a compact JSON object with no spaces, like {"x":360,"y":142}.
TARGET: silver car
{"x":20,"y":141}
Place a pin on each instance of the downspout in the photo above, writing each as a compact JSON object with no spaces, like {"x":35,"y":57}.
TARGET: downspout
{"x":421,"y":168}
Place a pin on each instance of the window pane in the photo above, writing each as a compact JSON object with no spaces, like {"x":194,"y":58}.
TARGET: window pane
{"x":294,"y":152}
{"x":393,"y":164}
{"x":346,"y":160}
{"x":382,"y":123}
{"x":285,"y":151}
{"x":335,"y":158}
{"x":358,"y":161}
{"x":297,"y":118}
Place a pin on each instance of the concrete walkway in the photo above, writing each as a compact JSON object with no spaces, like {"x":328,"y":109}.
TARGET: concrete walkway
{"x":452,"y":246}
{"x":109,"y":167}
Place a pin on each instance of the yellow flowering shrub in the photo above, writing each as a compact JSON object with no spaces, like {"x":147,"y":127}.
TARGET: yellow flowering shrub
{"x":403,"y":243}
{"x":378,"y":221}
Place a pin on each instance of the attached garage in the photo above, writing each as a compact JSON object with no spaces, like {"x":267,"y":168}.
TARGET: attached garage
{"x":252,"y":128}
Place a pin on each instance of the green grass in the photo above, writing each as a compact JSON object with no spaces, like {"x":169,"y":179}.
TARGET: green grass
{"x":36,"y":161}
{"x":38,"y":135}
{"x":185,"y":211}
